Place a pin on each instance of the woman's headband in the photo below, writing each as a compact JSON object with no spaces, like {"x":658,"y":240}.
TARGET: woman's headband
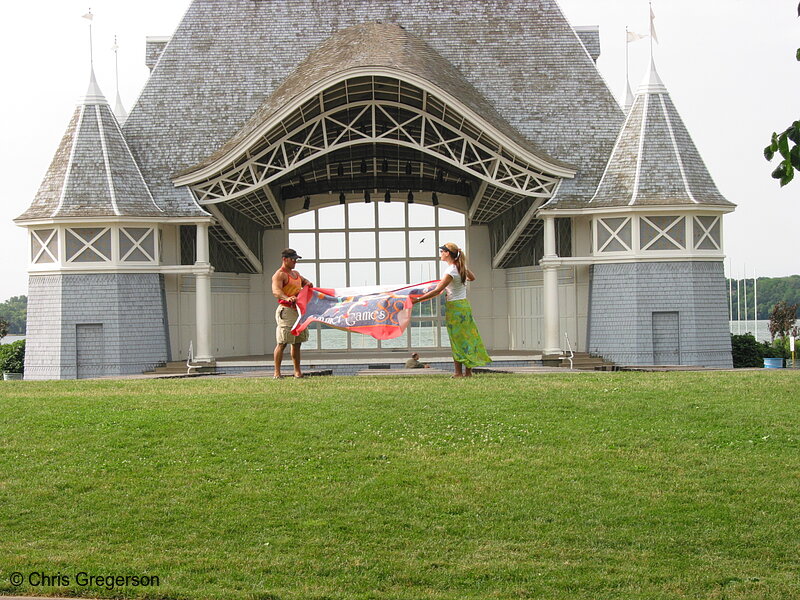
{"x":455,"y":254}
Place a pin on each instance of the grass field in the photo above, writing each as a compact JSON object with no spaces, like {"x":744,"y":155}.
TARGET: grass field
{"x":589,"y":486}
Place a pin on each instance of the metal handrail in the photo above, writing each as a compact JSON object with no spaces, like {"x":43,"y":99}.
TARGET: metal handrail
{"x":571,"y":353}
{"x":190,"y":360}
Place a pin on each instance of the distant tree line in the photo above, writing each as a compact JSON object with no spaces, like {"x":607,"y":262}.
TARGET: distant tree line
{"x":14,"y":311}
{"x":771,"y":290}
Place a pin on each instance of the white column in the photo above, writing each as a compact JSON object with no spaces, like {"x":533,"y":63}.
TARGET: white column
{"x":549,"y":264}
{"x":202,"y":291}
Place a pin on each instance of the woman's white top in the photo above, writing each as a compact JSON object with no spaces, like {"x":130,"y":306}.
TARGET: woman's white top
{"x":457,"y":289}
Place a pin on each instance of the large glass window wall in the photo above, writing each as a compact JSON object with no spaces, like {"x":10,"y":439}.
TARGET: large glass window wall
{"x":377,"y":243}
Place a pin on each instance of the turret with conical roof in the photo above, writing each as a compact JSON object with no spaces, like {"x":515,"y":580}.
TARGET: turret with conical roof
{"x":654,"y":161}
{"x":93,"y":173}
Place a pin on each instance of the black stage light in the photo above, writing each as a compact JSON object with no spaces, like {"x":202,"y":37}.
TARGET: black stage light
{"x":307,"y":203}
{"x":387,"y":197}
{"x":342,"y":199}
{"x":366,"y":196}
{"x":410,"y":197}
{"x":435,"y":199}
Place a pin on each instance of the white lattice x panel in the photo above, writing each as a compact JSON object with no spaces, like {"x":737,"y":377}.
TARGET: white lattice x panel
{"x":614,"y":234}
{"x":662,"y":233}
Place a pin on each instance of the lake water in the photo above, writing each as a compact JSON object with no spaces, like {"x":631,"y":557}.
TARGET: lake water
{"x":760,"y":329}
{"x":424,"y":337}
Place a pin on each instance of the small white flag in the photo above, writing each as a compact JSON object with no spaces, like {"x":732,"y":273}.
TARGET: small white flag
{"x":635,"y":37}
{"x":653,"y":25}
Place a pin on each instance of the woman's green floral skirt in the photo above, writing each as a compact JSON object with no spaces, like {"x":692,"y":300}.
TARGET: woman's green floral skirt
{"x":465,"y":341}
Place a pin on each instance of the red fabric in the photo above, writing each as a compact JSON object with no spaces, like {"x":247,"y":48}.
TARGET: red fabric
{"x":382,"y":314}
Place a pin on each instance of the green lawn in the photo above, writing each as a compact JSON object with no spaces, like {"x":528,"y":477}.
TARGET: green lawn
{"x":630,"y":485}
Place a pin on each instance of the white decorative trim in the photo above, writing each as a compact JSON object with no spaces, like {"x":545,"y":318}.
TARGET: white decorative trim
{"x":677,"y":152}
{"x":43,"y":245}
{"x":75,"y":135}
{"x":650,"y":210}
{"x":136,"y":164}
{"x":90,"y":244}
{"x":707,"y":232}
{"x":73,"y":221}
{"x":613,"y":153}
{"x":662,"y":232}
{"x":137,"y":244}
{"x":637,"y":252}
{"x":556,"y":168}
{"x":106,"y":268}
{"x":640,"y":152}
{"x":634,"y":258}
{"x":103,"y":146}
{"x":613,"y":234}
{"x":435,"y":138}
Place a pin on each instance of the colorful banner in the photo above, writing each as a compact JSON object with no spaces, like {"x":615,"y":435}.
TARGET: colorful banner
{"x":380,"y":311}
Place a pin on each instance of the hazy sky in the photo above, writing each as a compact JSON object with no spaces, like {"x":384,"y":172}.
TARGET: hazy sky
{"x":728,"y":64}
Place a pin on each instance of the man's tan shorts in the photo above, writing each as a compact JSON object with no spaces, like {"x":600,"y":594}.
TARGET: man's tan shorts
{"x":285,"y":317}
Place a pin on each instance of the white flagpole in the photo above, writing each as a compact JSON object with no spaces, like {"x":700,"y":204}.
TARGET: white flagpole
{"x":730,"y":294}
{"x":755,"y":301}
{"x":89,"y":17}
{"x":744,"y":288}
{"x":627,"y":43}
{"x":738,"y":307}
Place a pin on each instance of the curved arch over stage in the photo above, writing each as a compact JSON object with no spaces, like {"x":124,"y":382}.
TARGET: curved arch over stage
{"x":374,"y":132}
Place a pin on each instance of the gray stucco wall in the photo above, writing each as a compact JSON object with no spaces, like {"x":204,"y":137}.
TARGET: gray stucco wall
{"x":625,"y":296}
{"x":130,"y":308}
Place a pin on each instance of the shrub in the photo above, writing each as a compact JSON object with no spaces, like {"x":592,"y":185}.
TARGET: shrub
{"x":12,"y":357}
{"x":747,"y":352}
{"x":782,"y":319}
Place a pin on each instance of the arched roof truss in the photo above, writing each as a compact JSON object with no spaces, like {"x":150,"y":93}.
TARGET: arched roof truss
{"x":360,"y":133}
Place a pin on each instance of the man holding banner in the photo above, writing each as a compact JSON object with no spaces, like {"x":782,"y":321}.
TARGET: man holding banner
{"x":286,"y":285}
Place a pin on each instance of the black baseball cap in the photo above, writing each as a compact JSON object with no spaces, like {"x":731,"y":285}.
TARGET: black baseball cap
{"x":289,"y":253}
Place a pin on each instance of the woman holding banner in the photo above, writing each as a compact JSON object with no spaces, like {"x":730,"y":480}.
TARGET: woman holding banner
{"x":465,"y":341}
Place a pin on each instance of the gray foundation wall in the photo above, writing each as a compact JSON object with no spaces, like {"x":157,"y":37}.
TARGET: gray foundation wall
{"x":122,"y":318}
{"x":623,"y":298}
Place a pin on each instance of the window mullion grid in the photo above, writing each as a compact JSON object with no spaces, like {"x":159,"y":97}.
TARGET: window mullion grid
{"x":348,"y":334}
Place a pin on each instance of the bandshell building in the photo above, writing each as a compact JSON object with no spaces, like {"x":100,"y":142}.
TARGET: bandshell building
{"x":364,"y":135}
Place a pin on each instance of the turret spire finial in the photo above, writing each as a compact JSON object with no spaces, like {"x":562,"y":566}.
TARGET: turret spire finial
{"x":119,"y":109}
{"x":89,"y":17}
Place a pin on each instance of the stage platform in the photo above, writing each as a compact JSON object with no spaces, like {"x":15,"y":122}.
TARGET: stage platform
{"x":340,"y":362}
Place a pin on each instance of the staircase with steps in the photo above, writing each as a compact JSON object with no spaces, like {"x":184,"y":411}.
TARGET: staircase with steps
{"x":178,"y":367}
{"x":584,"y":361}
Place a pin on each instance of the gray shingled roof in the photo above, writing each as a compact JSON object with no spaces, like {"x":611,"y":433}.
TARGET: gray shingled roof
{"x":375,"y":45}
{"x":655,"y":161}
{"x":228,"y":56}
{"x":93,"y":173}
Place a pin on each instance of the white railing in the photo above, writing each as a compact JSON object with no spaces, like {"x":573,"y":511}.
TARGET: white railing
{"x":190,"y":364}
{"x":569,"y":348}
